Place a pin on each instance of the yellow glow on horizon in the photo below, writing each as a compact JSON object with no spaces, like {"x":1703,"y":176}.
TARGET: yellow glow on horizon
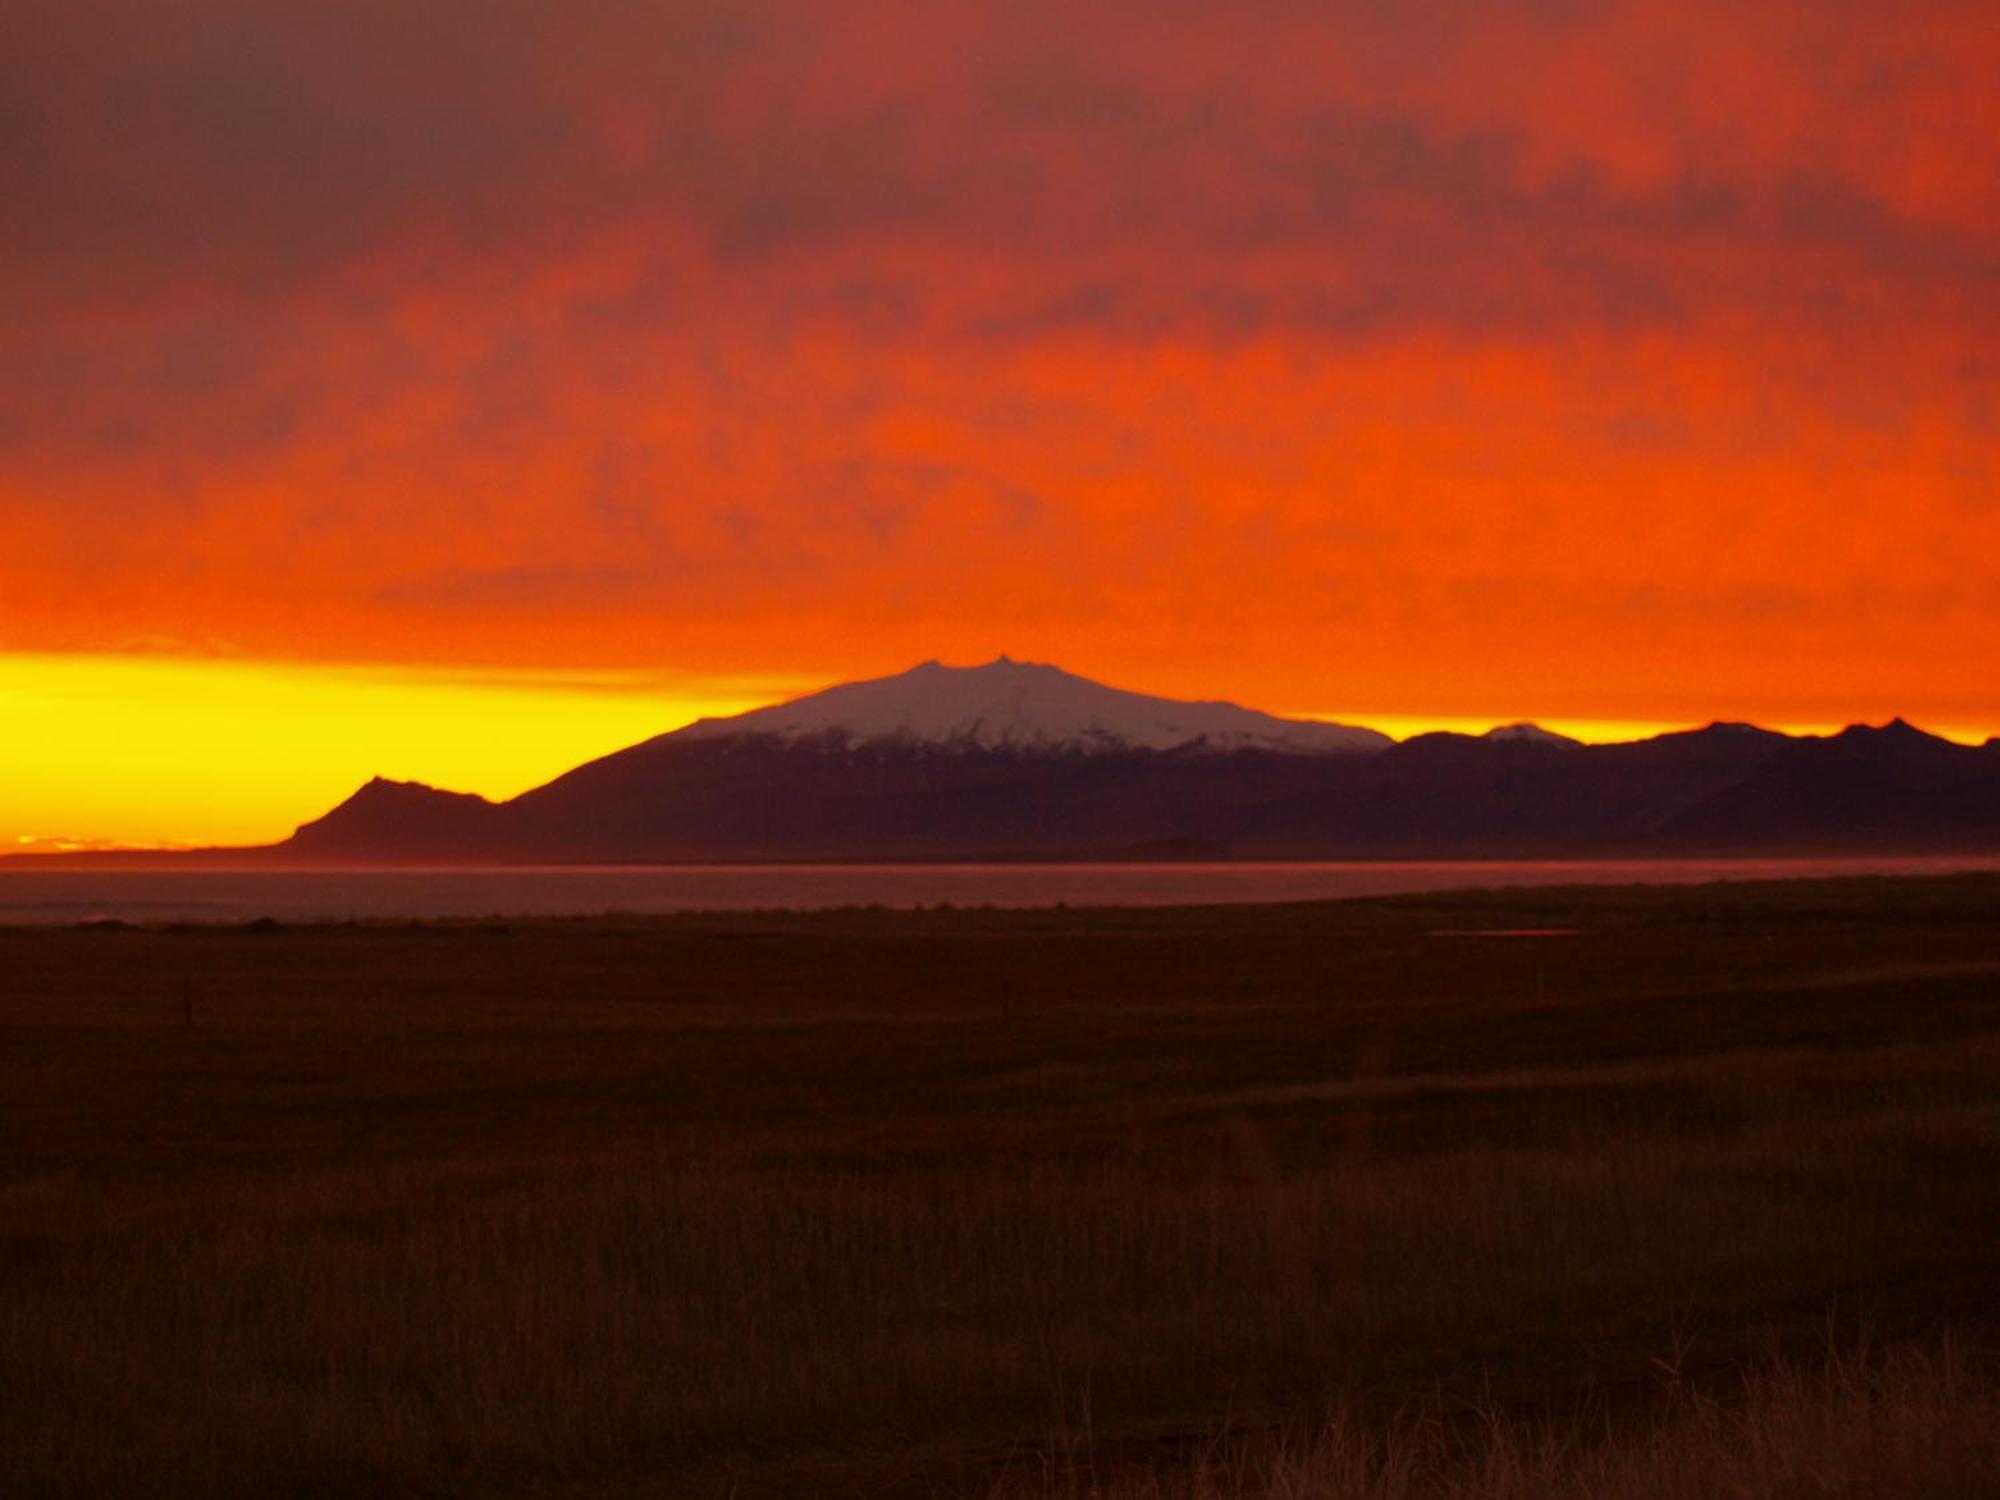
{"x":142,"y":751}
{"x":132,"y":751}
{"x":1594,"y":731}
{"x":1591,"y":731}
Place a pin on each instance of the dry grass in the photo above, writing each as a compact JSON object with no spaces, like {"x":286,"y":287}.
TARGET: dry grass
{"x":876,"y":1203}
{"x":1921,"y":1425}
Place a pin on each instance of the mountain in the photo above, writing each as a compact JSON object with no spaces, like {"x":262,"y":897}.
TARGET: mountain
{"x":1002,"y":760}
{"x":1528,"y":733}
{"x":1876,"y":787}
{"x":1025,"y":707}
{"x":1015,"y":760}
{"x":403,"y":815}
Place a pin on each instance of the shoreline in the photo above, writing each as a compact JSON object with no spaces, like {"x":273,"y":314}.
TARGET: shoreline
{"x":106,"y":910}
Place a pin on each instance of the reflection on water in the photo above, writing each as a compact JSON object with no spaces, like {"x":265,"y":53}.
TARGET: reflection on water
{"x":61,"y":896}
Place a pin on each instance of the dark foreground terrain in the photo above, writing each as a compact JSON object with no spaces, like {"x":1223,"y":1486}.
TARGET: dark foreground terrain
{"x":1699,"y":1198}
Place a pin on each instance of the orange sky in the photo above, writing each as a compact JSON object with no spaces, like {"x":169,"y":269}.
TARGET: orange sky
{"x":471,"y":385}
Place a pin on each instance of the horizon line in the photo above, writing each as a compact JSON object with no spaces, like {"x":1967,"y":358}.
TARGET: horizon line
{"x":239,"y":748}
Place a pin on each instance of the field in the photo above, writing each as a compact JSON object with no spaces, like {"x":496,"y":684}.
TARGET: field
{"x":1663,"y":1193}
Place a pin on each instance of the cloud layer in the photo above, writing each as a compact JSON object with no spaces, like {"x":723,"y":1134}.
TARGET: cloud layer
{"x":1630,"y":360}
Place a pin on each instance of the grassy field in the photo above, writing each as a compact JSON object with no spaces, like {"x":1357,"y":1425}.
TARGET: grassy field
{"x":1696,"y":1195}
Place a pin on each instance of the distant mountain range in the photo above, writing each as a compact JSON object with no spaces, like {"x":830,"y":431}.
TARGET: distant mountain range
{"x":1016,"y":760}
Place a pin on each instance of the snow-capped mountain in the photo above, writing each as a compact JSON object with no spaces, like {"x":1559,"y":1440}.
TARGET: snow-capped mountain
{"x":1026,"y":707}
{"x":1014,"y":760}
{"x":1528,"y":734}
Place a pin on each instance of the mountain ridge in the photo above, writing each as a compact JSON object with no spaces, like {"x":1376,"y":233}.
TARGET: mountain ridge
{"x":1021,"y":760}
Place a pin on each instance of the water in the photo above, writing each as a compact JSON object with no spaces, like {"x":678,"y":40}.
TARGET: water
{"x":30,"y":895}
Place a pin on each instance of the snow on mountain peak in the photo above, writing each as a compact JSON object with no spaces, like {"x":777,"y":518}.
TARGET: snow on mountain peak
{"x":1532,"y":734}
{"x":1027,"y":706}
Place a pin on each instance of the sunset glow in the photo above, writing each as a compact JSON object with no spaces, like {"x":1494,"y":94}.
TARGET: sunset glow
{"x":459,"y":392}
{"x":152,"y":751}
{"x":143,"y":751}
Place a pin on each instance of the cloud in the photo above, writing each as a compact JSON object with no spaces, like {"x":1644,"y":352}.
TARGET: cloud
{"x":516,"y":589}
{"x":776,"y":335}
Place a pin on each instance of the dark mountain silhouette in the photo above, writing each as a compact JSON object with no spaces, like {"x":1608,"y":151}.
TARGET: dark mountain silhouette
{"x":1014,"y":760}
{"x":1871,"y":788}
{"x":406,"y":813}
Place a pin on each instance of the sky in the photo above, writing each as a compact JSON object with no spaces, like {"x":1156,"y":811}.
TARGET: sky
{"x":458,"y":389}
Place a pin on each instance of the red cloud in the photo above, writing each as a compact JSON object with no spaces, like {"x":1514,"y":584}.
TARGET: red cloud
{"x":1633,"y":355}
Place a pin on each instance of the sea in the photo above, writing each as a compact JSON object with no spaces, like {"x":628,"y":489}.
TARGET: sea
{"x":34,"y":895}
